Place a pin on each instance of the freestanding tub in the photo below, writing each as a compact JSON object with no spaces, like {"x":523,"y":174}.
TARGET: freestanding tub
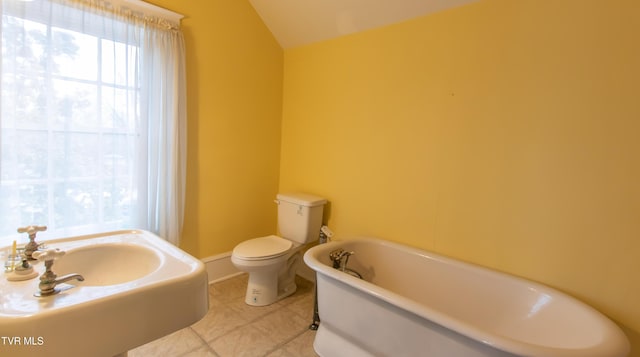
{"x":417,"y":303}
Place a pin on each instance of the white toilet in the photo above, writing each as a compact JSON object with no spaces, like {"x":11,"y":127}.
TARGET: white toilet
{"x":272,"y":261}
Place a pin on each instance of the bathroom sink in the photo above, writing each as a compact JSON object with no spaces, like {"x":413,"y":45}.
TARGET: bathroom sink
{"x":109,"y":263}
{"x":137,"y":288}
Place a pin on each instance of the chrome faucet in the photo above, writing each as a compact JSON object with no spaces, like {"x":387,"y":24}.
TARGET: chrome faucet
{"x":32,"y":246}
{"x":337,"y":257}
{"x":49,"y":280}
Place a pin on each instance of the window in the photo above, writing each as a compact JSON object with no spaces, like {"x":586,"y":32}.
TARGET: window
{"x":76,"y":124}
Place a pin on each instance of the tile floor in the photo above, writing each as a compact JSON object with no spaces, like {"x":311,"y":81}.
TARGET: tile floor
{"x":233,"y":329}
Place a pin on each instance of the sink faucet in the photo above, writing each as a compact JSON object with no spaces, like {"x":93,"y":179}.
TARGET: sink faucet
{"x":49,"y":280}
{"x":32,"y":246}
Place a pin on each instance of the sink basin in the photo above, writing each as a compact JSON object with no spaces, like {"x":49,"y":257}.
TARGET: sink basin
{"x":137,"y":288}
{"x":109,"y":264}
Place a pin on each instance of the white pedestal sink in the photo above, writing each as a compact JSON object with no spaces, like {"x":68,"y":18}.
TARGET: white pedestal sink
{"x":137,"y":288}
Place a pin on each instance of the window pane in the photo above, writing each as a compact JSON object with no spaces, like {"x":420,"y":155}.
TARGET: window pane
{"x":9,"y":208}
{"x":76,"y":204}
{"x":76,"y":155}
{"x":24,"y":154}
{"x":24,"y":100}
{"x":22,"y":203}
{"x":75,"y":105}
{"x":117,"y":155}
{"x":118,"y":110}
{"x":33,"y":202}
{"x":118,"y":200}
{"x":119,"y":63}
{"x":74,"y":55}
{"x":23,"y":45}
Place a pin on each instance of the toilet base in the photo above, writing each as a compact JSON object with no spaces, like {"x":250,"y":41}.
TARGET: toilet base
{"x":265,"y":287}
{"x":258,"y":295}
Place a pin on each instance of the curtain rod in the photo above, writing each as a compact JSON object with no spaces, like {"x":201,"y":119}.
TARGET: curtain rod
{"x":148,"y":9}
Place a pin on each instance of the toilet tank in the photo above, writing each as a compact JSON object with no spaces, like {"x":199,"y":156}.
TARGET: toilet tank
{"x":300,"y":216}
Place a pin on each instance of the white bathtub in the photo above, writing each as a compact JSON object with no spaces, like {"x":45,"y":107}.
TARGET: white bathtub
{"x":416,"y":303}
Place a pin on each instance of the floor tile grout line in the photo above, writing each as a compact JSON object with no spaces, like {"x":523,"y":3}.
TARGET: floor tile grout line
{"x":203,"y":341}
{"x":284,"y":343}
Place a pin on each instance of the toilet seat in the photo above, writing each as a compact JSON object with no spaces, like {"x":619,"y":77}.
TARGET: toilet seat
{"x":262,"y":248}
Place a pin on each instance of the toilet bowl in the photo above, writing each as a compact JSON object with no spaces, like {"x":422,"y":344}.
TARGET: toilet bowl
{"x":272,"y":261}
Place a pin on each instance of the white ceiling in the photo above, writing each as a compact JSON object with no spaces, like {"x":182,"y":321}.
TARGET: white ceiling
{"x":300,"y":22}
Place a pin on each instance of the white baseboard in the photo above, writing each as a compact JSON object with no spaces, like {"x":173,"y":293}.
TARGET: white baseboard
{"x":219,"y":267}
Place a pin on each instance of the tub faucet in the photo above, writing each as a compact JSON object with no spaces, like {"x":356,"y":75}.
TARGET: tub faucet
{"x":337,"y":256}
{"x":49,"y":280}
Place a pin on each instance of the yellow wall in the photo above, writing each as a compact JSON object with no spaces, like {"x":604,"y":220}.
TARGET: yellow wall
{"x":234,"y":79}
{"x":505,"y":133}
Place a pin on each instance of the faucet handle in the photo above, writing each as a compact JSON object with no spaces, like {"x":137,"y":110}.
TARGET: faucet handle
{"x":32,"y":246}
{"x":49,"y":254}
{"x":32,"y":230}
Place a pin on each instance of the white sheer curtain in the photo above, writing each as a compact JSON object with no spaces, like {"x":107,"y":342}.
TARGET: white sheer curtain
{"x":93,"y":119}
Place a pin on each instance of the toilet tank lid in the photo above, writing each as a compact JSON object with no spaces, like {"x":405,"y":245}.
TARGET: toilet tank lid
{"x":303,"y":199}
